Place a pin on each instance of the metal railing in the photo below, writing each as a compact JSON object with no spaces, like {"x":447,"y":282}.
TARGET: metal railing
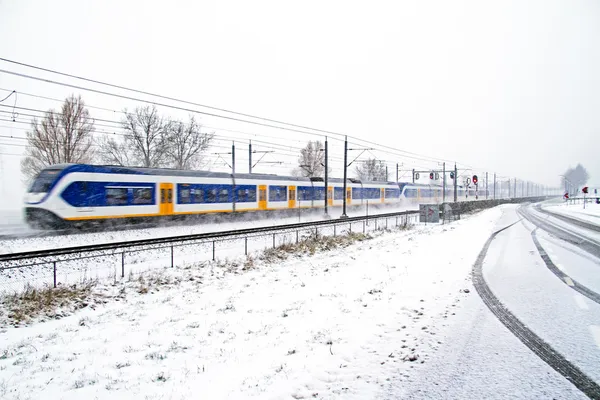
{"x":70,"y":265}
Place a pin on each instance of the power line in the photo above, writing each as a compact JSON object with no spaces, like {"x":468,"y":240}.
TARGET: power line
{"x":195,"y":104}
{"x":151,"y":102}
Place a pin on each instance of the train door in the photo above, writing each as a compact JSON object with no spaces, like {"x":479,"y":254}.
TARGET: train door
{"x":166,"y":198}
{"x":330,"y":196}
{"x":292,"y":196}
{"x":382,"y":195}
{"x":262,"y":197}
{"x":348,"y":195}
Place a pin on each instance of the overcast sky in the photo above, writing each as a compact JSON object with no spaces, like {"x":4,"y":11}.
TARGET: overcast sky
{"x":511,"y":87}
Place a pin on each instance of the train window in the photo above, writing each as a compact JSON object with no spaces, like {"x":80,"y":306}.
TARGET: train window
{"x":319,"y":193}
{"x":198,"y":196}
{"x":277,"y":193}
{"x":212,"y":196}
{"x":262,"y":195}
{"x":246,"y":195}
{"x":292,"y":194}
{"x":338,"y":193}
{"x":170,"y":195}
{"x":242,"y":195}
{"x":223,"y":196}
{"x":116,"y":196}
{"x":142,"y":196}
{"x":392,"y":193}
{"x":184,"y":196}
{"x":304,"y":193}
{"x":44,"y":180}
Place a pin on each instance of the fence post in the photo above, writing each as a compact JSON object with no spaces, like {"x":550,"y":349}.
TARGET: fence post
{"x":273,"y":240}
{"x":350,"y":227}
{"x":363,"y":226}
{"x":213,"y":250}
{"x":297,"y":237}
{"x":334,"y":230}
{"x":171,"y":256}
{"x":54,"y":274}
{"x":386,"y":223}
{"x":123,"y":265}
{"x":376,"y":224}
{"x":246,"y":245}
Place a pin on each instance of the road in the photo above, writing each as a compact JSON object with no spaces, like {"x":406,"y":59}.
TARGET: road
{"x":548,"y":346}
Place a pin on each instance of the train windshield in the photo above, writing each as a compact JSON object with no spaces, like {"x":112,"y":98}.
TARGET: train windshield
{"x":44,"y":180}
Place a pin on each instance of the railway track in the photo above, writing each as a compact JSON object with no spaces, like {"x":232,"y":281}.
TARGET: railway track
{"x":72,"y":252}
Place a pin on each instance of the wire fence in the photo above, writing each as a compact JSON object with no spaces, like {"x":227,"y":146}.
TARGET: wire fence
{"x":116,"y":264}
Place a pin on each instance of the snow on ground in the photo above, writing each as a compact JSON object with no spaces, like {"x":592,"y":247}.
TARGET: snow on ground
{"x":345,"y":323}
{"x":573,"y":228}
{"x":517,"y":275}
{"x":188,"y":228}
{"x":591,"y":213}
{"x":574,"y":262}
{"x":481,"y":358}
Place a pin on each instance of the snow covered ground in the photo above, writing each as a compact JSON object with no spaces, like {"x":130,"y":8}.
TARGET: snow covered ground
{"x":483,"y":359}
{"x":591,"y":213}
{"x":347,"y":323}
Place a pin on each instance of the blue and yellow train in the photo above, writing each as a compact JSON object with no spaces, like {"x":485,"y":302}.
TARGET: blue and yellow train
{"x":68,"y":195}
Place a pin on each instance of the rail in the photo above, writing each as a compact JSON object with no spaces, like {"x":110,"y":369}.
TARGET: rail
{"x":44,"y":264}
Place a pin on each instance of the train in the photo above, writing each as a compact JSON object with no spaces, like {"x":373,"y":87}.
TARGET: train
{"x":75,"y":195}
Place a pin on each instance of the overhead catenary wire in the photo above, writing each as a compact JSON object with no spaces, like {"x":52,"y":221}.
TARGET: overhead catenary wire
{"x":321,"y":131}
{"x":380,"y":147}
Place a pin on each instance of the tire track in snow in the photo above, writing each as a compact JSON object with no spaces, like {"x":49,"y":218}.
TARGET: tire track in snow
{"x":563,"y":233}
{"x":566,"y":279}
{"x":542,"y":349}
{"x":571,"y":220}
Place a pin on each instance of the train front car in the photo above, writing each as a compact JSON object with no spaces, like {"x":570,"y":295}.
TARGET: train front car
{"x":37,"y":202}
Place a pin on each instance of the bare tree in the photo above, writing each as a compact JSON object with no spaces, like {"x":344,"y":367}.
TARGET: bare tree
{"x":115,"y":151}
{"x":371,"y":170}
{"x":61,"y":137}
{"x":186,"y":144}
{"x":311,"y":161}
{"x":146,"y":140}
{"x":576,"y":177}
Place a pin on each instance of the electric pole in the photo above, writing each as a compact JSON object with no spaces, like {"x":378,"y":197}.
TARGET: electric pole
{"x":455,"y":184}
{"x":233,"y":158}
{"x":250,"y":157}
{"x":326,"y":173}
{"x":444,"y":182}
{"x":345,"y":167}
{"x":486,"y":186}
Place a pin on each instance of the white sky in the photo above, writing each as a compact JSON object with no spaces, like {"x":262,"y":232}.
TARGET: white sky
{"x":502,"y":86}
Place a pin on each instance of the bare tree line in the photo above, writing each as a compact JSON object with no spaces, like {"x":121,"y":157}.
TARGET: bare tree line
{"x":149,"y":140}
{"x":311,"y":163}
{"x":575,"y":178}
